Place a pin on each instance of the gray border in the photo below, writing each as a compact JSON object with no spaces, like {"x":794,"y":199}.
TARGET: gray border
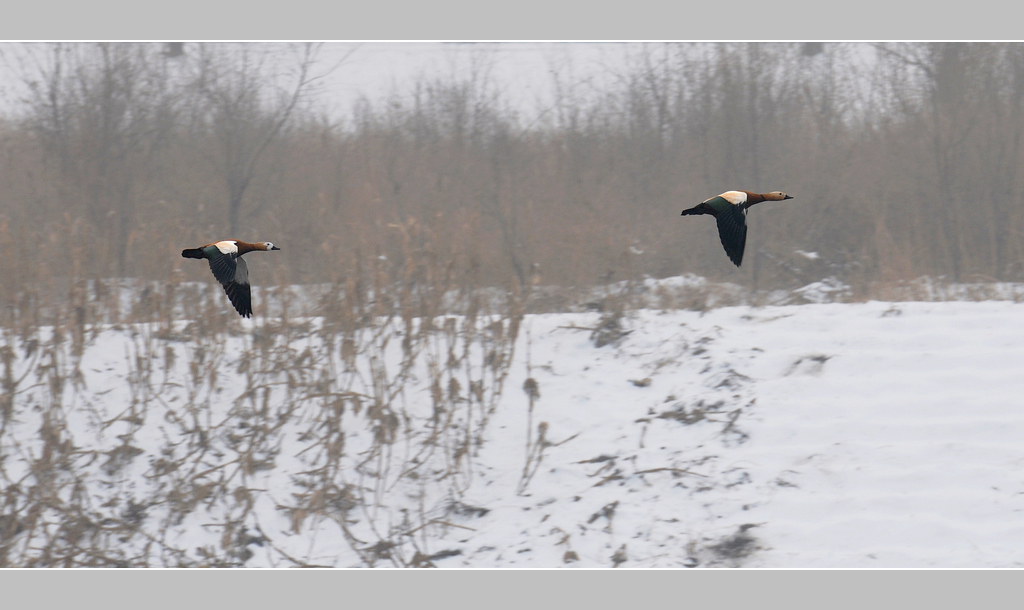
{"x":452,"y":589}
{"x":522,"y":20}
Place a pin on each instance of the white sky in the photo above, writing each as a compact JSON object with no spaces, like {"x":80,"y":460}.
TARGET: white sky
{"x":522,"y":71}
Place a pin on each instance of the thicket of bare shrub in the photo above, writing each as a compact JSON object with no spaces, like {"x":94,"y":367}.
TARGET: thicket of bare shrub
{"x":902,"y":166}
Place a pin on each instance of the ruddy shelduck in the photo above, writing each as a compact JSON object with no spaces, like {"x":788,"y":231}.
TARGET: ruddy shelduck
{"x":730,"y":210}
{"x":228,"y":266}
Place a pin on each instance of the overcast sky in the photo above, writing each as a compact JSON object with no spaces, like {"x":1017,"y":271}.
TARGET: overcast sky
{"x":520,"y":71}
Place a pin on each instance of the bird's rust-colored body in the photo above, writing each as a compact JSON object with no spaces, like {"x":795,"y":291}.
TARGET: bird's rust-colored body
{"x":230,"y":269}
{"x":730,"y":211}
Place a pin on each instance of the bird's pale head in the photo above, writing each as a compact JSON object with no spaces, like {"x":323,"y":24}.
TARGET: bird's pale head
{"x":269,"y":246}
{"x":776,"y":196}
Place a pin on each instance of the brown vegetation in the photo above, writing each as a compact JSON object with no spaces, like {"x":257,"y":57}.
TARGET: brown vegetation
{"x":903,"y":166}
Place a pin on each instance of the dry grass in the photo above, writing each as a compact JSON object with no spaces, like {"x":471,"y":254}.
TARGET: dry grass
{"x":225,"y":397}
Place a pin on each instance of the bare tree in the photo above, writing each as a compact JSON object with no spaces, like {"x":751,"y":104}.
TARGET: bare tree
{"x":963,"y":101}
{"x":102,"y":112}
{"x":245,"y":102}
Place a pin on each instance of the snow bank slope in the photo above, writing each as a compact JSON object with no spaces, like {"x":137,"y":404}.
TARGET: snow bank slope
{"x":858,"y":435}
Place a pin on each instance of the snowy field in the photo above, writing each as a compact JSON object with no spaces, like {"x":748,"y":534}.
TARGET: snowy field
{"x":817,"y":435}
{"x":841,"y":435}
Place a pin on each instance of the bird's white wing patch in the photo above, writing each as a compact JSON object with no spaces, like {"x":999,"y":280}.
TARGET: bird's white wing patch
{"x":734,"y":197}
{"x":227,"y":247}
{"x":241,"y":271}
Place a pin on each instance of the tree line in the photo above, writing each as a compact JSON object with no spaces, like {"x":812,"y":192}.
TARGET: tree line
{"x":904,"y":160}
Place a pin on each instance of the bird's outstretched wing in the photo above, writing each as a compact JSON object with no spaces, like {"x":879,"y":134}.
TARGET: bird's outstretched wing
{"x":233,"y":275}
{"x":224,"y":266}
{"x":732,"y":230}
{"x":241,"y":298}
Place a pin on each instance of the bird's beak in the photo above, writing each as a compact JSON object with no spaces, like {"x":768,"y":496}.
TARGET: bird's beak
{"x":275,"y":248}
{"x":786,"y":197}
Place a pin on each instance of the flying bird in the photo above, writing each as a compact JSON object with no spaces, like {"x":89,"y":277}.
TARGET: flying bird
{"x":228,"y":266}
{"x":730,"y":211}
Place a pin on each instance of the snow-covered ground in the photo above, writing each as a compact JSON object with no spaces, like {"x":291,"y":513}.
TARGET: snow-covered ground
{"x":818,"y":435}
{"x":854,"y":435}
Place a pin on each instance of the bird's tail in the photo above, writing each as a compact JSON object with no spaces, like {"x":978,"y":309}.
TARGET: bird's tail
{"x":694,"y":211}
{"x":193,"y":253}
